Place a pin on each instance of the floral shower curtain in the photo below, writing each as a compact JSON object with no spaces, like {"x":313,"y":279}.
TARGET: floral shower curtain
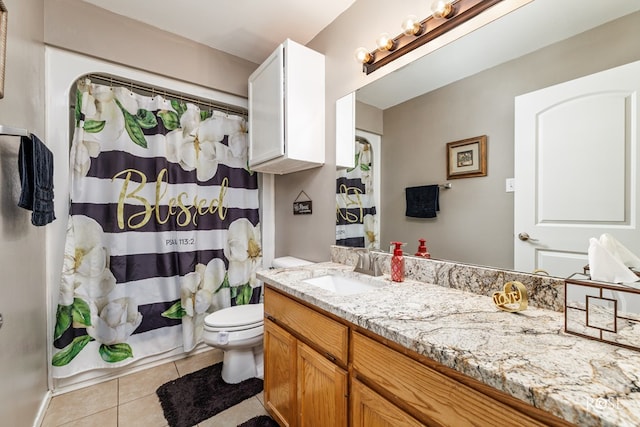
{"x":163,"y":228}
{"x":356,"y":220}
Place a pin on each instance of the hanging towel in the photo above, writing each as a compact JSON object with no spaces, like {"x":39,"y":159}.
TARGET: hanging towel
{"x":422,"y":202}
{"x":36,"y":177}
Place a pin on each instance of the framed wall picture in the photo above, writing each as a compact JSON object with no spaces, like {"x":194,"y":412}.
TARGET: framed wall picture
{"x":3,"y":44}
{"x":467,"y":158}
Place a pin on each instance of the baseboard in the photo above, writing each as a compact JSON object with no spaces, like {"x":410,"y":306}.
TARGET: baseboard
{"x":46,"y":399}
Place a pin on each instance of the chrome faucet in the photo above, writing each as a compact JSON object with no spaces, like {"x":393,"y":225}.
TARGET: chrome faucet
{"x":368,"y":263}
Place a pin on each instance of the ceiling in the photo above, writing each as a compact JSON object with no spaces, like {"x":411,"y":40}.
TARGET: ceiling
{"x":250,"y":29}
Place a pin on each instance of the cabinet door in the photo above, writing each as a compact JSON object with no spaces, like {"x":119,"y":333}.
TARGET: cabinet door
{"x":369,"y":409}
{"x":266,"y":106}
{"x":346,"y":131}
{"x":322,"y":390}
{"x":280,"y":373}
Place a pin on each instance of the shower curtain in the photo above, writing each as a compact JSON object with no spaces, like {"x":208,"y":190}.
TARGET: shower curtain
{"x":356,"y":220}
{"x":163,"y":228}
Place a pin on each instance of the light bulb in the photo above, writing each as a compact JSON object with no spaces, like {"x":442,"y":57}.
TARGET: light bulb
{"x":385,"y":42}
{"x":363,"y":56}
{"x":442,"y":9}
{"x":411,"y":26}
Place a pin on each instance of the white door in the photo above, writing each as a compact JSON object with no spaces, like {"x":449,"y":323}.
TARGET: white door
{"x":576,"y":169}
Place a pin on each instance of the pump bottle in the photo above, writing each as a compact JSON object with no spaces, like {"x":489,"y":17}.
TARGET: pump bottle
{"x":397,"y":263}
{"x":422,"y":249}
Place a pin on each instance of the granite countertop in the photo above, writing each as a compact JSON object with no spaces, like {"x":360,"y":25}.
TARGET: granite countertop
{"x":526,"y":355}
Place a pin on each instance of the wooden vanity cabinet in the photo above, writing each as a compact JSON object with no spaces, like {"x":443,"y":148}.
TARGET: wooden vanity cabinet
{"x":311,"y":359}
{"x":430,"y":395}
{"x":305,"y":356}
{"x":279,"y":373}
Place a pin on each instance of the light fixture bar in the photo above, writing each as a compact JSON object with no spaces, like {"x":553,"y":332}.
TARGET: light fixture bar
{"x":464,"y":10}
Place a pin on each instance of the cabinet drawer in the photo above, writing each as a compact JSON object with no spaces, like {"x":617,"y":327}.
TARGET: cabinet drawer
{"x":438,"y":398}
{"x":327,"y":335}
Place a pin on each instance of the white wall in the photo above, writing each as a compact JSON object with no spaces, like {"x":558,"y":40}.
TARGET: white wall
{"x":23,"y":364}
{"x":82,"y":27}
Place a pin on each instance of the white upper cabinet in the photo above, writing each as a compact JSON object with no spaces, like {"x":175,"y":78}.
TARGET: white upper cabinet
{"x":286,"y":111}
{"x":346,"y":131}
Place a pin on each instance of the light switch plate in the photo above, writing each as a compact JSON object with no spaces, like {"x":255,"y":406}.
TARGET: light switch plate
{"x":510,"y":185}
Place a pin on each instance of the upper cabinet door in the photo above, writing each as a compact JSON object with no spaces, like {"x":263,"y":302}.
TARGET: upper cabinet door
{"x":286,"y":111}
{"x":346,"y":131}
{"x":266,"y":107}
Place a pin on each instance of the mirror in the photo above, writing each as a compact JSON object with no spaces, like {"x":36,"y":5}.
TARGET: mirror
{"x":467,"y":89}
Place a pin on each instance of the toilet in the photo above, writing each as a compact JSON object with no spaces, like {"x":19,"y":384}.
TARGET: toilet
{"x":238,"y":331}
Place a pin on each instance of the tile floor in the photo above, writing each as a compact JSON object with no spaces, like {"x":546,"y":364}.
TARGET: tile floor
{"x":131,"y":400}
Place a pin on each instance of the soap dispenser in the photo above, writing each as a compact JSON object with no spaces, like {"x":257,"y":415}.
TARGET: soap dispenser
{"x":397,"y":263}
{"x":422,"y":249}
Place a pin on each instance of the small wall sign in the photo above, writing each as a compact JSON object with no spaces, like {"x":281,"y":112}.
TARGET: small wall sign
{"x":302,"y":207}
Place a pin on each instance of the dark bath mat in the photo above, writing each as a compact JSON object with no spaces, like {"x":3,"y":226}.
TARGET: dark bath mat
{"x":259,"y":421}
{"x":201,"y":395}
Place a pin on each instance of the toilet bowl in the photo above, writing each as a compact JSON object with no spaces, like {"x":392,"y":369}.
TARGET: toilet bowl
{"x":238,"y":331}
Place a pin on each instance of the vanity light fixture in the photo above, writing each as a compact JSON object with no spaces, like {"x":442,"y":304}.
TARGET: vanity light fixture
{"x":446,"y":15}
{"x":442,"y":9}
{"x":411,"y":26}
{"x":363,"y":56}
{"x":385,"y":42}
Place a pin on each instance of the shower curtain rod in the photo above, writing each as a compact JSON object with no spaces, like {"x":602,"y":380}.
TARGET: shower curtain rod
{"x":167,"y":93}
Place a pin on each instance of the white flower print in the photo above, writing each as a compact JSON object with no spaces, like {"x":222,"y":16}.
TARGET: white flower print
{"x":197,"y":295}
{"x":244,"y":252}
{"x":370,"y":231}
{"x":99,"y":105}
{"x":113,"y":321}
{"x":86,"y":262}
{"x":196,"y":144}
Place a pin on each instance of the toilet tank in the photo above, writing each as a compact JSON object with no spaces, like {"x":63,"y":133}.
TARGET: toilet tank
{"x":289,"y":261}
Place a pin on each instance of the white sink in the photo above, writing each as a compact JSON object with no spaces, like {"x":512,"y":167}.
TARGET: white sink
{"x":342,"y":285}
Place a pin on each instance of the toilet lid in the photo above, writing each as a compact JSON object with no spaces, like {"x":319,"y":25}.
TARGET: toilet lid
{"x":238,"y":315}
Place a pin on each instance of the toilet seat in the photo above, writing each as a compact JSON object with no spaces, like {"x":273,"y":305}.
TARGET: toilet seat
{"x":236,"y":318}
{"x":238,"y":323}
{"x":232,"y":328}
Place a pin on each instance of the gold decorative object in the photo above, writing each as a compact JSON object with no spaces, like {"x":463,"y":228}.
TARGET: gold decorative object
{"x":513,"y":298}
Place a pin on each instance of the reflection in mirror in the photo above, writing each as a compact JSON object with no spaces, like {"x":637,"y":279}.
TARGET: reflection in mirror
{"x":468,"y":88}
{"x":357,"y":200}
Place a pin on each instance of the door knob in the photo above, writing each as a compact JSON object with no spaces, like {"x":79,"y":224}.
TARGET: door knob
{"x":525,"y":237}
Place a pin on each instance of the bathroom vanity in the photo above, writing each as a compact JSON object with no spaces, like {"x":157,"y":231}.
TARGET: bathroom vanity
{"x":417,"y":354}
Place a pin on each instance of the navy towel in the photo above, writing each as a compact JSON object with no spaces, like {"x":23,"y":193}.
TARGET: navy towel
{"x":36,"y":178}
{"x":422,"y":202}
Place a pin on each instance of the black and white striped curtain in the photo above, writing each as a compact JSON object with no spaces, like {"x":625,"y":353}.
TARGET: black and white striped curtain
{"x":163,"y":227}
{"x":356,"y":217}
